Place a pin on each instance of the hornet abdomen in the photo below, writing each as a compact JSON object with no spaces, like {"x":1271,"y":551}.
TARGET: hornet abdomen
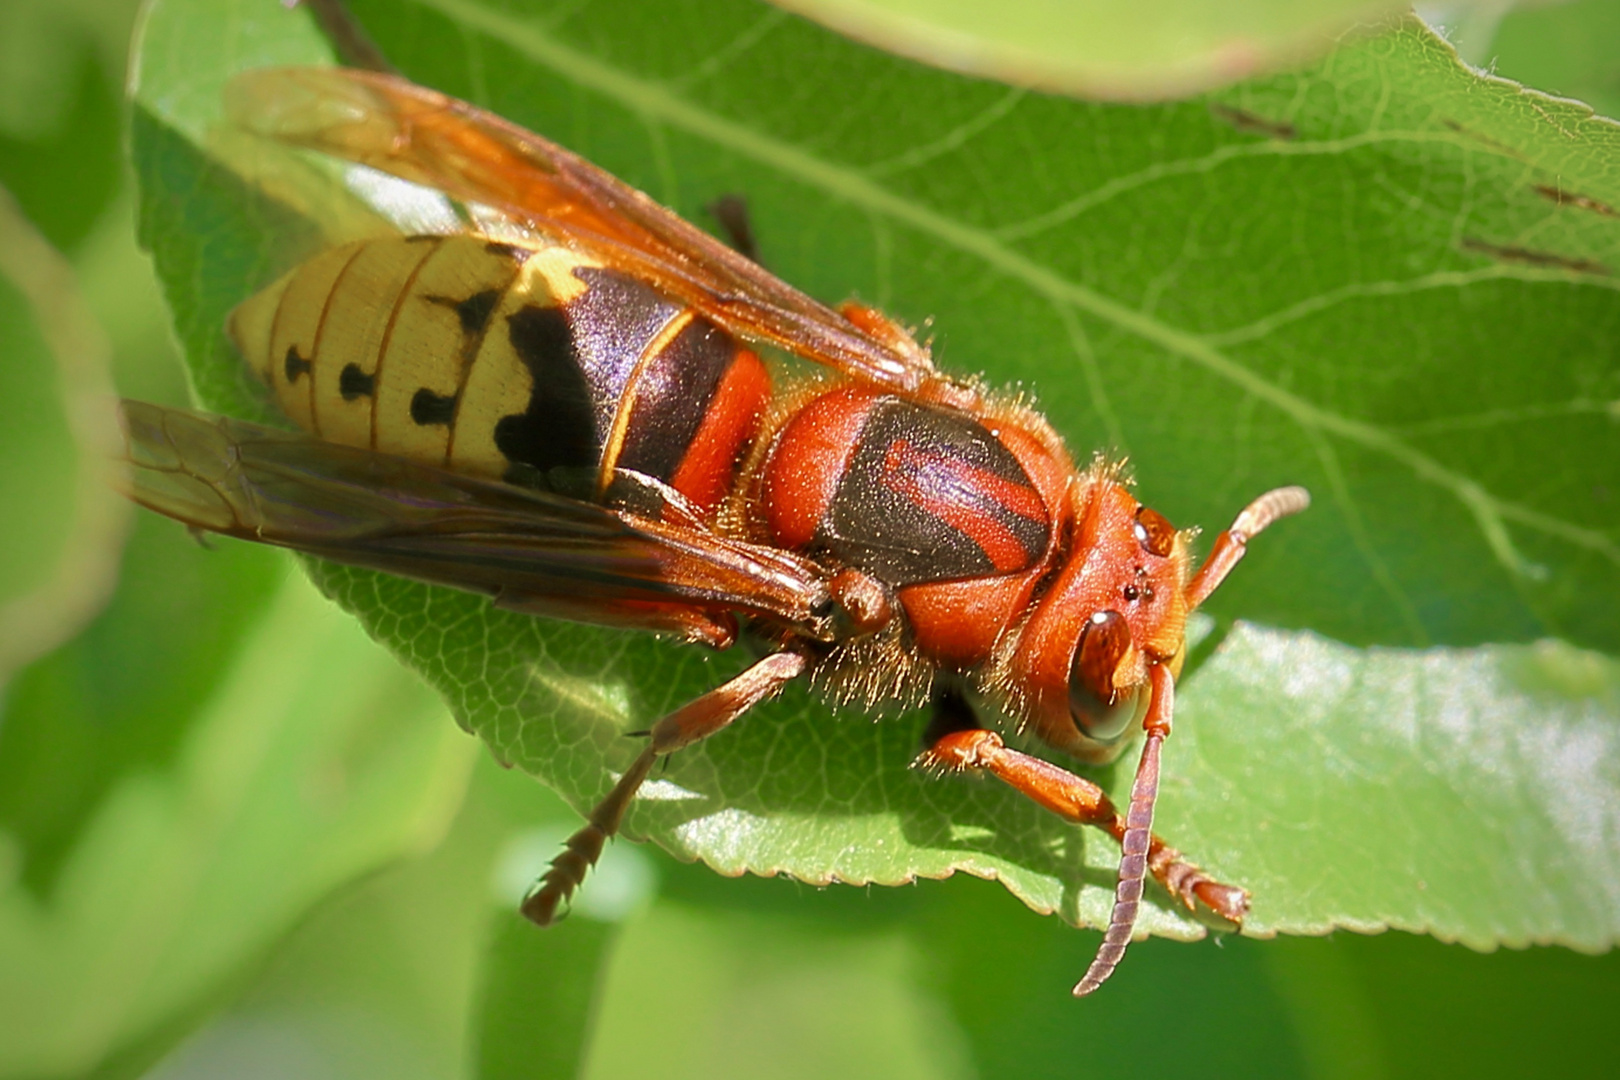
{"x":531,"y":364}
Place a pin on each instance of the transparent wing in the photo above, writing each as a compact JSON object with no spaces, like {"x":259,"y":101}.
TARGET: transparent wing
{"x":475,"y":156}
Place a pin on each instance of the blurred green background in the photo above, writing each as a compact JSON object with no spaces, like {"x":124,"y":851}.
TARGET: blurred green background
{"x":147,"y":775}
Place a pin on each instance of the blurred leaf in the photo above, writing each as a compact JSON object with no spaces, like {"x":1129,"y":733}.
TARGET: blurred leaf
{"x":116,"y":698}
{"x":1346,"y":1006}
{"x":1570,"y":49}
{"x":542,"y":989}
{"x":64,"y":525}
{"x":706,"y":994}
{"x":131,"y":889}
{"x":1373,"y":276}
{"x":121,"y":697}
{"x":36,"y":69}
{"x":988,"y":985}
{"x":312,"y":763}
{"x":380,"y":979}
{"x":1101,"y":48}
{"x":1398,"y":1007}
{"x":64,"y":169}
{"x":1213,"y":1003}
{"x":36,"y":483}
{"x":535,"y":1015}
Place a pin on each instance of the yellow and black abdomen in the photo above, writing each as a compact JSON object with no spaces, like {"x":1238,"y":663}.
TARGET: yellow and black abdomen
{"x":506,"y":361}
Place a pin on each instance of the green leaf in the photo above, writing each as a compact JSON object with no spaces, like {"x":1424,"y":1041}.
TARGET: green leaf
{"x":1101,"y":48}
{"x":1370,"y":277}
{"x":716,"y":992}
{"x":1464,"y":793}
{"x":536,"y":1009}
{"x":1397,"y":1006}
{"x":59,"y":121}
{"x":1566,"y":49}
{"x":282,"y":788}
{"x":64,"y":526}
{"x":381,"y":978}
{"x":39,"y":453}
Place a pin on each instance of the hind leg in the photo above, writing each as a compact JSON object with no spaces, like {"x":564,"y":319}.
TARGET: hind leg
{"x":691,"y":723}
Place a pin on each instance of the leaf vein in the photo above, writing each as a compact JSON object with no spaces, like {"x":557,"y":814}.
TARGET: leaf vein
{"x":1339,"y":487}
{"x":1439,"y":279}
{"x":733,"y":49}
{"x":1163,"y":170}
{"x":952,"y":140}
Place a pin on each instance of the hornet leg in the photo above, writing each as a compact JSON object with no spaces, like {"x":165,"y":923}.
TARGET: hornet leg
{"x":730,"y":212}
{"x":691,"y":723}
{"x":960,"y":745}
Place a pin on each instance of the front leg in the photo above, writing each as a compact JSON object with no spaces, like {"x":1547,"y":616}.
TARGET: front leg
{"x":958,"y":744}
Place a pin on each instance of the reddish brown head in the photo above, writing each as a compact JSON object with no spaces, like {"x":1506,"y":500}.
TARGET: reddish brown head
{"x":1118,"y":605}
{"x":1101,"y":653}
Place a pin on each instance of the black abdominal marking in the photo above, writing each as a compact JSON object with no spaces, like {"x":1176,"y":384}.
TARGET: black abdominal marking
{"x":473,"y":312}
{"x":296,"y":365}
{"x":558,"y":429}
{"x":510,"y":251}
{"x":354,"y":383}
{"x":428,"y":408}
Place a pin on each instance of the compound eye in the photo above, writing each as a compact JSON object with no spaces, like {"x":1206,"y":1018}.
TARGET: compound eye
{"x":1100,"y":711}
{"x":1154,"y":532}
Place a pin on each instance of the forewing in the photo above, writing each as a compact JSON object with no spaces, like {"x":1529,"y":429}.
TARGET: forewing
{"x":475,"y":156}
{"x":354,"y":506}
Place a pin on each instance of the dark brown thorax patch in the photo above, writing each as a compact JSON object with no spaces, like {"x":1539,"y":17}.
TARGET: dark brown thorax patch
{"x":931,"y":495}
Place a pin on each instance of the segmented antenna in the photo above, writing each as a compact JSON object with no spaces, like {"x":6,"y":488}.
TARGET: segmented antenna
{"x":1274,"y":504}
{"x":1134,"y":844}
